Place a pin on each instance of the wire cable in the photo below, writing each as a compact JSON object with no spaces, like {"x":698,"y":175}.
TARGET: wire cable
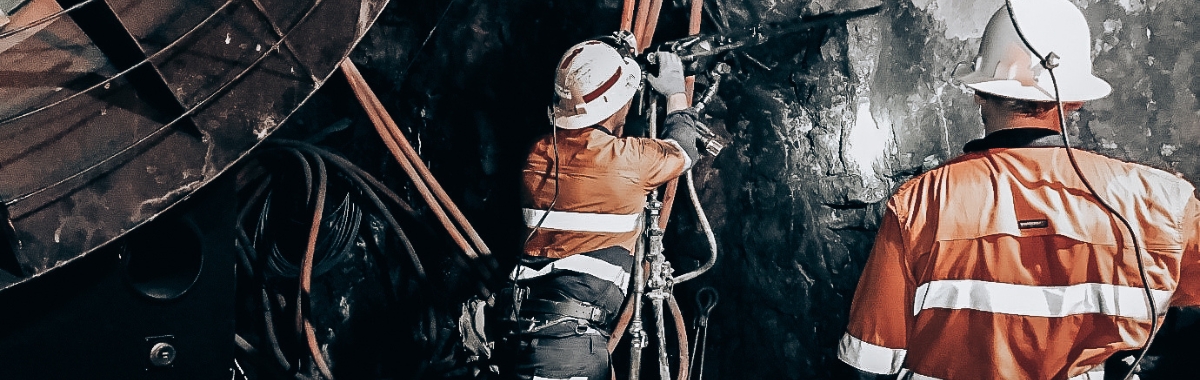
{"x":1048,"y":62}
{"x":118,"y":75}
{"x":203,"y":102}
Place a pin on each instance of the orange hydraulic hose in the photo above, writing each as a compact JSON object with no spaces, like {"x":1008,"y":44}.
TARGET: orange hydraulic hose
{"x":627,"y":16}
{"x":622,"y":324}
{"x":625,"y":317}
{"x":689,"y":84}
{"x":427,"y":176}
{"x":639,"y":25}
{"x":383,"y":122}
{"x":694,"y":17}
{"x":306,"y":268}
{"x":651,"y":24}
{"x":685,"y":357}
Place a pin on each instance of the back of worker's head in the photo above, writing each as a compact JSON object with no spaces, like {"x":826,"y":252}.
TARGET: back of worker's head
{"x":594,"y":79}
{"x":1006,"y":66}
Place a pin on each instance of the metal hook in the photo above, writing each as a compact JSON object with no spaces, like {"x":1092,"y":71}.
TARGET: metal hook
{"x":706,"y":300}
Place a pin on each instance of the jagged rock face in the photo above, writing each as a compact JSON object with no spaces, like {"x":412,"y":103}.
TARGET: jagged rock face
{"x":848,"y":116}
{"x":824,"y":126}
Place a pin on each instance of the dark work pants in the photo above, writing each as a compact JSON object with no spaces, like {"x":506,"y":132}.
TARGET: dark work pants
{"x":576,"y":357}
{"x":570,"y":350}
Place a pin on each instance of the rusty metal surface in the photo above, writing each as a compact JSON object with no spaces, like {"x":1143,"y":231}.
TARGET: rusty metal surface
{"x":113,"y":113}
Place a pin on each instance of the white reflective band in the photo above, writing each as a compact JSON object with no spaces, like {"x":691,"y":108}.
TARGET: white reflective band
{"x":687,"y":160}
{"x":582,"y":221}
{"x":579,"y":264}
{"x":869,"y":357}
{"x":1039,"y":301}
{"x":1096,"y":373}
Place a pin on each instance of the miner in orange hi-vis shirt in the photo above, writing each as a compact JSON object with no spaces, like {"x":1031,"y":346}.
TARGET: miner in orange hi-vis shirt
{"x":1024,"y":258}
{"x":584,"y":191}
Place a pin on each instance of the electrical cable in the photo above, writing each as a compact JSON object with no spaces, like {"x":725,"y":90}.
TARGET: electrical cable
{"x":427,"y":37}
{"x":516,"y":302}
{"x":366,"y":182}
{"x":681,"y":338}
{"x":1048,"y":62}
{"x":269,"y":322}
{"x":554,"y":200}
{"x":306,"y":272}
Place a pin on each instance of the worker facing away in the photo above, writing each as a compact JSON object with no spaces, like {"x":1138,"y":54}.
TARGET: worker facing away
{"x":584,"y":190}
{"x":1001,"y":263}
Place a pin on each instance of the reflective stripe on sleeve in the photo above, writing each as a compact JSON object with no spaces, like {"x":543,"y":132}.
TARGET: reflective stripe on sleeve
{"x":869,"y":357}
{"x":687,"y":160}
{"x":1039,"y":301}
{"x":1096,"y":373}
{"x":580,"y":264}
{"x":583,"y":221}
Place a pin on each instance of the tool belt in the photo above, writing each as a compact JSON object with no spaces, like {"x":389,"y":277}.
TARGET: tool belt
{"x":566,"y":308}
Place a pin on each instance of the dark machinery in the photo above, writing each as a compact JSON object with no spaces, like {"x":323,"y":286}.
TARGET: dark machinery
{"x":114,"y":262}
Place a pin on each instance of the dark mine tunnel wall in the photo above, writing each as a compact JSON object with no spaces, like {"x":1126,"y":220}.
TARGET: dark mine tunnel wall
{"x":821,"y":135}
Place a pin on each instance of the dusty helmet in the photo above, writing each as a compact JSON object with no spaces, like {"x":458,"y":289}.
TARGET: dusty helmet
{"x":1007,"y":67}
{"x":594,"y":80}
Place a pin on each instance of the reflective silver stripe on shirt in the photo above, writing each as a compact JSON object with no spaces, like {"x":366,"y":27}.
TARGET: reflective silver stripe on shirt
{"x":869,"y":357}
{"x":1039,"y":301}
{"x":1096,"y":373}
{"x":687,"y":160}
{"x":583,"y":221}
{"x":580,"y":264}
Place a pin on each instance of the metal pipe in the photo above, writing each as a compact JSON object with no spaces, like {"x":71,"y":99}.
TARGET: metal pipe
{"x":660,"y":325}
{"x":637,"y":336}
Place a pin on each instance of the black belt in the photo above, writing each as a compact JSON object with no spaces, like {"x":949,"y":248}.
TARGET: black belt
{"x":572,"y":309}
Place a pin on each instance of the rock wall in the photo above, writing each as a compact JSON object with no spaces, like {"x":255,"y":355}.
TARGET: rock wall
{"x":852,"y":114}
{"x":824,"y":125}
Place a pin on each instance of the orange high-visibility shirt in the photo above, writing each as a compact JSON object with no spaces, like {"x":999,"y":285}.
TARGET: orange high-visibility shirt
{"x":1001,"y":265}
{"x":602,"y":180}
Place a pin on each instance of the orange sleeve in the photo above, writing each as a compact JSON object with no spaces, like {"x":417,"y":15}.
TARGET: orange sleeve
{"x":1188,"y":292}
{"x":660,"y":161}
{"x":876,"y":339}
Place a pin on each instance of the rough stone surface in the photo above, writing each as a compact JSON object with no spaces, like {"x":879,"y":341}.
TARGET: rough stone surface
{"x":822,"y":132}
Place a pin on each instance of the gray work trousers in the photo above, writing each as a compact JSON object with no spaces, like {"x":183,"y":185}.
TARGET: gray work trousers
{"x":573,"y":357}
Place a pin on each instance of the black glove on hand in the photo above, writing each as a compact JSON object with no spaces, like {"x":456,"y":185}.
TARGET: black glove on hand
{"x":669,"y":80}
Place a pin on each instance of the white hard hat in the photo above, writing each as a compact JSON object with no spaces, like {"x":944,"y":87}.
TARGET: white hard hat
{"x":1006,"y":66}
{"x":594,"y":80}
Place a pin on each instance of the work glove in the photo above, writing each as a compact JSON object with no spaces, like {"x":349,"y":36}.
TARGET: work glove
{"x":669,"y":80}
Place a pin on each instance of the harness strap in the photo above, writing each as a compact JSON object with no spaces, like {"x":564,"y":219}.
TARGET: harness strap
{"x":571,"y":308}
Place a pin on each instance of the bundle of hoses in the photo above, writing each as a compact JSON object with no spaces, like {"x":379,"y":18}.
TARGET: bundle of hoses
{"x":331,"y":237}
{"x":313,"y":160}
{"x":324,"y":247}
